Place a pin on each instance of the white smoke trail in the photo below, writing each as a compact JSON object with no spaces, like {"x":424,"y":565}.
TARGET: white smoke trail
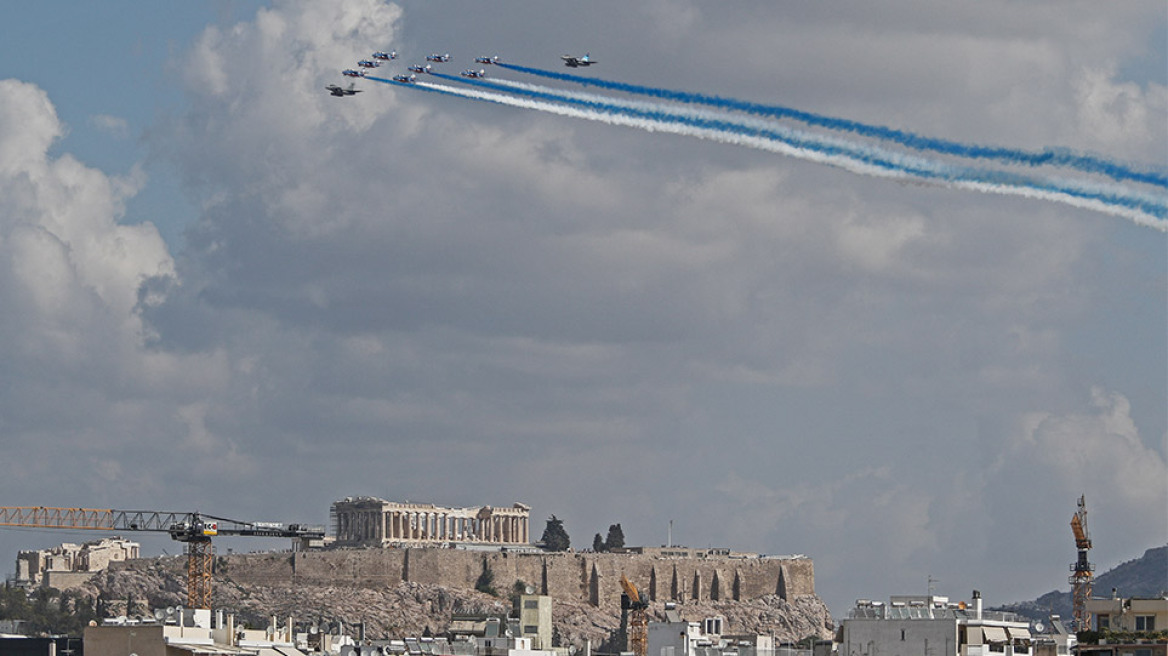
{"x":897,"y":158}
{"x":844,"y":161}
{"x":650,"y":125}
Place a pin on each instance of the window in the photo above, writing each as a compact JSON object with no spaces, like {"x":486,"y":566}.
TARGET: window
{"x":1145,"y":622}
{"x":902,"y":635}
{"x":531,"y":603}
{"x":530,"y":628}
{"x":1102,"y":621}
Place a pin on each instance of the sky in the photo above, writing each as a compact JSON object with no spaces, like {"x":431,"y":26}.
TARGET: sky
{"x":225,"y":290}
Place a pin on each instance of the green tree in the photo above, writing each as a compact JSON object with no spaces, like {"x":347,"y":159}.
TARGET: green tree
{"x":518,"y":589}
{"x":555,"y":538}
{"x":597,"y":543}
{"x":615,"y":539}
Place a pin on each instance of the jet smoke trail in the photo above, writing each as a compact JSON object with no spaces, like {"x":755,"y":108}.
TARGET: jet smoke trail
{"x":1142,"y":211}
{"x":1045,"y":157}
{"x":917,"y":167}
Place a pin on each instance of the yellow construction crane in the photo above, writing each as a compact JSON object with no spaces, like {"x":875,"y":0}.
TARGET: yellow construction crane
{"x":638,"y":624}
{"x":193,"y":529}
{"x":1083,"y":572}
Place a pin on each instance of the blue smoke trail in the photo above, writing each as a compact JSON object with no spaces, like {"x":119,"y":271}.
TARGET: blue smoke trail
{"x":1045,"y":157}
{"x":925,"y":169}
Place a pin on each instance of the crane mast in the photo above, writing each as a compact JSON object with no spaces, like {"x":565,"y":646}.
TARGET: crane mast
{"x":638,"y":620}
{"x":193,"y":529}
{"x":1082,"y":571}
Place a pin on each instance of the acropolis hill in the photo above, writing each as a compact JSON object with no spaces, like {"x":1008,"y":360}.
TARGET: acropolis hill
{"x":405,"y":568}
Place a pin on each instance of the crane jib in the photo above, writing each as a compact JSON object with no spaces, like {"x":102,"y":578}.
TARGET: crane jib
{"x":180,"y":525}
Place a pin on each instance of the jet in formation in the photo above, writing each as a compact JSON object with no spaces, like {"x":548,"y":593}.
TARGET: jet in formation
{"x":405,"y":79}
{"x":385,"y":56}
{"x":572,"y":61}
{"x":350,"y":72}
{"x":418,"y":68}
{"x":470,"y":72}
{"x":487,"y":60}
{"x":438,"y":58}
{"x":341,"y":92}
{"x":368,"y":63}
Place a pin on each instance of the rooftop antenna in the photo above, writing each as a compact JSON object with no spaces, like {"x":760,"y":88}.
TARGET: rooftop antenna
{"x":932,"y":588}
{"x":670,"y":541}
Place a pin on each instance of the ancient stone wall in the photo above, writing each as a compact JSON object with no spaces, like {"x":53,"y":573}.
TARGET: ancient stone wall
{"x":590,"y":577}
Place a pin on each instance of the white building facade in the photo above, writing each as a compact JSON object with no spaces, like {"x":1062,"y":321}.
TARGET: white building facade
{"x":932,"y":626}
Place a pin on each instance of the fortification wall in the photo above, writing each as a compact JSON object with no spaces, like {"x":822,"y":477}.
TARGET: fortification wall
{"x":591,"y":577}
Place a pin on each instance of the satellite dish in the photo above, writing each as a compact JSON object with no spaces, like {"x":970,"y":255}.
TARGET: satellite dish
{"x":1038,"y":627}
{"x":159,"y":614}
{"x":529,"y":590}
{"x":170,"y":611}
{"x":314,"y":629}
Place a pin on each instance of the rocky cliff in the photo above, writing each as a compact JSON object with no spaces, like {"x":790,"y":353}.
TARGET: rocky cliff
{"x":410,"y":608}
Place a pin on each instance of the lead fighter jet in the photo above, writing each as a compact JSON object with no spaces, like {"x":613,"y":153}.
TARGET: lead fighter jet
{"x":341,"y":92}
{"x":572,"y":61}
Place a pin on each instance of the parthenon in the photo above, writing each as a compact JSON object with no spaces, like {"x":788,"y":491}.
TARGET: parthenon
{"x":373,"y":522}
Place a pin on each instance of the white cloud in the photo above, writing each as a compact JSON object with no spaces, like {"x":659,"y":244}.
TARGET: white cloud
{"x":1121,"y":117}
{"x":113,"y":125}
{"x":69,"y":260}
{"x":1099,"y":449}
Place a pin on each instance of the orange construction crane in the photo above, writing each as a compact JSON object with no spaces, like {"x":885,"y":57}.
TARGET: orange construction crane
{"x":1083,"y":572}
{"x":193,"y":529}
{"x":638,"y":620}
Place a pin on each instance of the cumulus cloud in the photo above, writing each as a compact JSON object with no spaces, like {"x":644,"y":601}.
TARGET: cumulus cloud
{"x":69,"y":261}
{"x":1099,"y":449}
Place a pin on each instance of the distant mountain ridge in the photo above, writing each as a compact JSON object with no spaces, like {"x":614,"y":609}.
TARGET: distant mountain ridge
{"x":1146,"y":576}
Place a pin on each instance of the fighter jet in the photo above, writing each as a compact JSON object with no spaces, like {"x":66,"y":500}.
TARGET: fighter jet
{"x":368,"y":63}
{"x":405,"y":79}
{"x":438,"y":58}
{"x":385,"y":56}
{"x":470,"y":72}
{"x":487,"y":60}
{"x":349,"y":72}
{"x":573,"y":62}
{"x":342,"y":92}
{"x":418,"y":68}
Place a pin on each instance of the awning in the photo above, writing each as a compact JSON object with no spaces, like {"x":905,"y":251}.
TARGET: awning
{"x":1017,"y":633}
{"x":994,"y":634}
